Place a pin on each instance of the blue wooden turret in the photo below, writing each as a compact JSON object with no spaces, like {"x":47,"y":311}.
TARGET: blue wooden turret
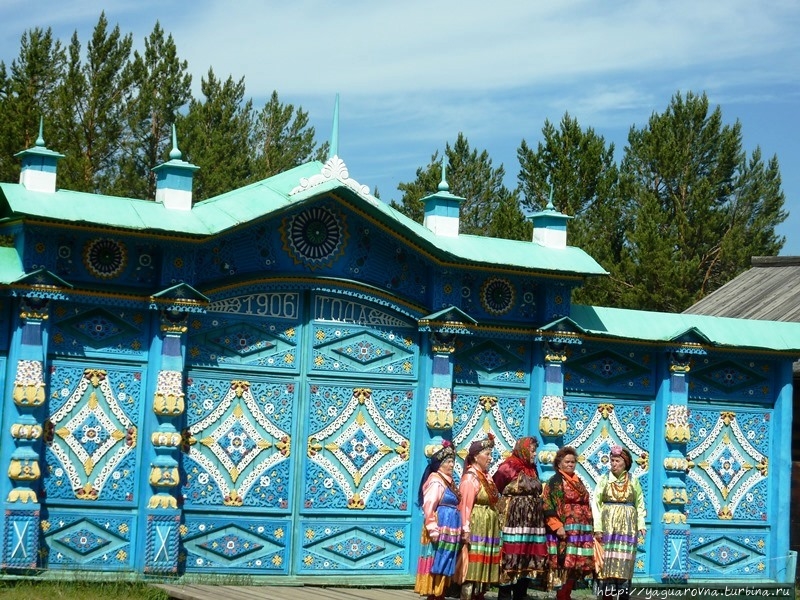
{"x":550,"y":226}
{"x":174,"y":179}
{"x":442,"y":209}
{"x":38,"y":173}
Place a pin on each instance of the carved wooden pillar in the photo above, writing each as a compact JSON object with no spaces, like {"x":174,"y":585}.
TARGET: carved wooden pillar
{"x":676,"y":465}
{"x":163,"y":513}
{"x":552,"y":419}
{"x":22,"y":523}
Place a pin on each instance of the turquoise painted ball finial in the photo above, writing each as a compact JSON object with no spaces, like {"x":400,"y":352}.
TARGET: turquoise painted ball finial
{"x":443,"y":185}
{"x":174,"y":154}
{"x":40,"y":139}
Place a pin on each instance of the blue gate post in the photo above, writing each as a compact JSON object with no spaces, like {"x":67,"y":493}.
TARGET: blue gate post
{"x":552,"y":419}
{"x":162,"y":531}
{"x":22,"y":508}
{"x":673,"y":492}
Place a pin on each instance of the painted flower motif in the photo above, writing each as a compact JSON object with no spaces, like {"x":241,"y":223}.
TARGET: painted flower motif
{"x":105,"y":258}
{"x":327,"y":483}
{"x":386,"y":484}
{"x":91,"y":434}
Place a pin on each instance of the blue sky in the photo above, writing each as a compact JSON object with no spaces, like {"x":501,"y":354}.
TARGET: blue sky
{"x":411,"y":75}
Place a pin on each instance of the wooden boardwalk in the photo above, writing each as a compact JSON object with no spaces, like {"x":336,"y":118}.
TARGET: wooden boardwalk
{"x":266,"y":592}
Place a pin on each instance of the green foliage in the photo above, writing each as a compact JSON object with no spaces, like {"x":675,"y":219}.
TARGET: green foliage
{"x":90,"y":105}
{"x":111,"y":113}
{"x":284,"y":139}
{"x":488,"y":208}
{"x":77,"y":589}
{"x":699,"y":208}
{"x":583,"y":175}
{"x":682,"y":215}
{"x":27,"y":91}
{"x":162,"y":87}
{"x":216,"y":133}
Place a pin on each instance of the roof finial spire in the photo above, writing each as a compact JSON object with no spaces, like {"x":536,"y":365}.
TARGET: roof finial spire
{"x":334,"y":150}
{"x":443,"y":185}
{"x":40,"y":139}
{"x":550,"y":205}
{"x":174,"y":154}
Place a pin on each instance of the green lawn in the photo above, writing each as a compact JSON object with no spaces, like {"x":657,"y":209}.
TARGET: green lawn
{"x":29,"y":589}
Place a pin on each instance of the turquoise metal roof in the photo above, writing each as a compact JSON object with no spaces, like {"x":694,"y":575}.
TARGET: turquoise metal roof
{"x":276,"y":194}
{"x":666,"y":327}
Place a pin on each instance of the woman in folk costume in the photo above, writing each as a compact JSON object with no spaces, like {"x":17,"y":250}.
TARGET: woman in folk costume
{"x":568,"y":513}
{"x":441,"y":532}
{"x":479,"y":561}
{"x":524,"y":547}
{"x":618,"y":522}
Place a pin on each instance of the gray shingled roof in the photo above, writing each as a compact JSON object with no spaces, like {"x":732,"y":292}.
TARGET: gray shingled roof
{"x":769,"y":290}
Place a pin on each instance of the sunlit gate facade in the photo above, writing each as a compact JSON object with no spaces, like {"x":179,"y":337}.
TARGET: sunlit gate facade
{"x":298,"y":441}
{"x":701,"y":427}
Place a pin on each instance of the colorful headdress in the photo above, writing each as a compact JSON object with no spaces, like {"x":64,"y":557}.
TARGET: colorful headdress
{"x":445,"y":452}
{"x":478,"y":445}
{"x":624,"y":454}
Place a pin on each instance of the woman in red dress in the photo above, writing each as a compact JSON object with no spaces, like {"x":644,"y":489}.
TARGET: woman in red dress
{"x":568,"y":513}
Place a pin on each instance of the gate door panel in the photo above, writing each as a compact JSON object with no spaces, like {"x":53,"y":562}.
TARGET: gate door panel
{"x":91,"y":472}
{"x":728,"y":489}
{"x":237,"y":481}
{"x":355,"y":505}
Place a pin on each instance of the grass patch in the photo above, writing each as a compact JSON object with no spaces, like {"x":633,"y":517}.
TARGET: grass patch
{"x":32,"y":589}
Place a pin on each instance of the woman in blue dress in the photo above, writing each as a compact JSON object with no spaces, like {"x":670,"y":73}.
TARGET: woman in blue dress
{"x":438,"y":496}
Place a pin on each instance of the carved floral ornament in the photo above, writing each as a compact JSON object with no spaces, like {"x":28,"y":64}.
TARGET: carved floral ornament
{"x":552,"y":419}
{"x":677,"y":425}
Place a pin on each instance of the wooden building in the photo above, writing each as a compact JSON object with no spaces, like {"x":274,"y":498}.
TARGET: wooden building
{"x":249,"y":384}
{"x":769,"y":290}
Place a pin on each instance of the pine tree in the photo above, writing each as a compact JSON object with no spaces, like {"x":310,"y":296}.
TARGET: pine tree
{"x":581,"y":169}
{"x":283,"y":139}
{"x":216,"y":135}
{"x":470,"y":175}
{"x":91,"y":107}
{"x":700,"y":209}
{"x":162,"y":86}
{"x":26,"y":97}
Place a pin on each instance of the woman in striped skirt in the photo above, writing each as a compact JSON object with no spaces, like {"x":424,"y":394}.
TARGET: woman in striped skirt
{"x":619,"y":522}
{"x":568,"y":513}
{"x":441,"y":531}
{"x":524,"y":550}
{"x":479,"y":562}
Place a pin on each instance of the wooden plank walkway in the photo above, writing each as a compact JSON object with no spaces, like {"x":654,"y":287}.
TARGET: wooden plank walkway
{"x":266,"y":592}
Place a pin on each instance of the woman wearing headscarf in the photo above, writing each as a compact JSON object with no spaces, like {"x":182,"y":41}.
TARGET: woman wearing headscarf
{"x":479,"y":562}
{"x":568,"y":513}
{"x":524,"y":548}
{"x":618,"y":522}
{"x":441,"y":531}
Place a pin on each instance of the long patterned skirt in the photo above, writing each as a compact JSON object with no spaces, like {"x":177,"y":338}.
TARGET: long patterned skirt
{"x":524,"y":549}
{"x":619,"y":541}
{"x":482,"y":554}
{"x":437,"y":560}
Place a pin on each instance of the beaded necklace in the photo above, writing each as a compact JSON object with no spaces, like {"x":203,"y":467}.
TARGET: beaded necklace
{"x":619,"y":488}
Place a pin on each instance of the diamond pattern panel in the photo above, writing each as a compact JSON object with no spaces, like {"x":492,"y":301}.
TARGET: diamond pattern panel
{"x":73,"y":541}
{"x":252,"y":544}
{"x":715,"y":555}
{"x":336,"y":547}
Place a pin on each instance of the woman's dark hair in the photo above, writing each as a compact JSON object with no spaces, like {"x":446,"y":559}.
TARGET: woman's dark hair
{"x":562,"y":453}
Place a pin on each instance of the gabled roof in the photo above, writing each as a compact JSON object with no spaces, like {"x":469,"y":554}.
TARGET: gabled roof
{"x":676,"y":327}
{"x":770,"y":290}
{"x":277,"y":194}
